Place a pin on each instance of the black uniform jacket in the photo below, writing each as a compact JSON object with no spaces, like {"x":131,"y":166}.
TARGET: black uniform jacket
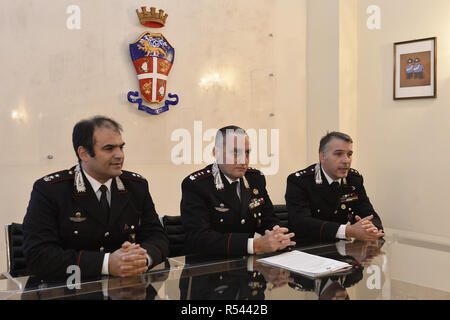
{"x":315,"y":211}
{"x":64,"y":226}
{"x":215,"y":221}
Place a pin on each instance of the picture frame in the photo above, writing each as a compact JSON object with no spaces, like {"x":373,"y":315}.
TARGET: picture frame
{"x":415,"y":69}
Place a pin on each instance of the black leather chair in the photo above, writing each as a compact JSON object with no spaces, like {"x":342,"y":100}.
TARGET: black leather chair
{"x":17,"y":266}
{"x":281,"y":213}
{"x":175,"y":231}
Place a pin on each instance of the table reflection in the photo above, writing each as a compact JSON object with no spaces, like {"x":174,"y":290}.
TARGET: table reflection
{"x":253,"y":280}
{"x":334,"y":287}
{"x":400,"y":268}
{"x":142,"y":287}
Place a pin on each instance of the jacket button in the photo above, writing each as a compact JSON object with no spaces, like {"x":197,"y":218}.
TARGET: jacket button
{"x":102,"y":249}
{"x":243,"y":221}
{"x":106,"y":234}
{"x":75,"y":232}
{"x":221,"y":220}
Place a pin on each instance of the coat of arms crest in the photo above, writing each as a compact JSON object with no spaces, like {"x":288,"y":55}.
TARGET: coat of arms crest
{"x":153,"y":58}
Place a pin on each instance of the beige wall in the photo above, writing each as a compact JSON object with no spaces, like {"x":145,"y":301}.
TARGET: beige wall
{"x":401,"y":147}
{"x":404,"y":145}
{"x":322,"y":72}
{"x":52,"y":77}
{"x":331,"y":71}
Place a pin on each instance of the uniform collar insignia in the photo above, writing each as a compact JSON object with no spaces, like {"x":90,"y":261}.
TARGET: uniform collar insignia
{"x":79,"y":181}
{"x":217,"y":178}
{"x":318,"y":175}
{"x":81,"y":187}
{"x":119,"y":184}
{"x":246,"y":185}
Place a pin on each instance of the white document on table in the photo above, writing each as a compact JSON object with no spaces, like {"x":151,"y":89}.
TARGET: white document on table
{"x":306,"y":264}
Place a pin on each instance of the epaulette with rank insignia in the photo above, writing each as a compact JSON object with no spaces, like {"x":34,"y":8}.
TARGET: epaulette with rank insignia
{"x":305,"y":172}
{"x":58,"y":176}
{"x":200,"y":175}
{"x":254,"y":170}
{"x":132,"y":176}
{"x":354,"y":172}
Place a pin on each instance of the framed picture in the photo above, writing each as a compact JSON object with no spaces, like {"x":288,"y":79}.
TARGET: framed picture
{"x":415,"y":69}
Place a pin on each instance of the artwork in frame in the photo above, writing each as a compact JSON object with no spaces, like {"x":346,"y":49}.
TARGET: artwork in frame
{"x":415,"y":69}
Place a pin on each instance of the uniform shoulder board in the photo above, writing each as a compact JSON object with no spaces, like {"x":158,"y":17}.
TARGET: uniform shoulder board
{"x":305,"y":172}
{"x":58,"y":176}
{"x":199,"y":175}
{"x":354,"y":172}
{"x":132,"y":176}
{"x":254,"y":170}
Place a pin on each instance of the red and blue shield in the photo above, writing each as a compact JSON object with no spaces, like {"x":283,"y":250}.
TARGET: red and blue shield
{"x":153,"y":58}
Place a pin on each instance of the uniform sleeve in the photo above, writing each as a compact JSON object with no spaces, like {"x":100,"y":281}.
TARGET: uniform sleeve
{"x":300,"y":219}
{"x":365,"y":207}
{"x":45,"y":256}
{"x":151,"y":235}
{"x":200,"y":237}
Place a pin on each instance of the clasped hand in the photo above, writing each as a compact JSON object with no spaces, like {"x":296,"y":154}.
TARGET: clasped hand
{"x":273,"y":240}
{"x":364,"y":229}
{"x":127,"y":261}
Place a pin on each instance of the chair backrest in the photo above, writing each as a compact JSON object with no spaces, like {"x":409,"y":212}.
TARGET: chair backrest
{"x":17,"y":265}
{"x":281,"y":213}
{"x":175,"y":231}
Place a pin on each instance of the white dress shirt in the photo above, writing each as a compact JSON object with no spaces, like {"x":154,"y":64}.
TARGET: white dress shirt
{"x":340,"y":234}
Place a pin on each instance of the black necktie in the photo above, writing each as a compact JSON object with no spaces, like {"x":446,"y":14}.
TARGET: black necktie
{"x":335,"y":186}
{"x":234,"y":190}
{"x":103,"y":200}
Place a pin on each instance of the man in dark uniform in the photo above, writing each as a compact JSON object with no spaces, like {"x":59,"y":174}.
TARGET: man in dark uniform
{"x":224,"y":204}
{"x":94,"y":215}
{"x":327,"y":200}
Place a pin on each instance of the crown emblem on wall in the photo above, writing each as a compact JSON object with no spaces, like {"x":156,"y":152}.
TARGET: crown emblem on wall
{"x":152,"y":19}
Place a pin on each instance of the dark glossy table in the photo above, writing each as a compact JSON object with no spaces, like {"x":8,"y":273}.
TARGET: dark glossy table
{"x":393,"y":269}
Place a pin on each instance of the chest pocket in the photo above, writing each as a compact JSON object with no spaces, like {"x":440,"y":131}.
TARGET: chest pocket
{"x":222,"y":215}
{"x":79,"y":226}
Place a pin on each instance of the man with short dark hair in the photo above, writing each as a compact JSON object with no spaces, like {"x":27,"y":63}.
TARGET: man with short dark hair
{"x":224,"y":204}
{"x":94,"y":215}
{"x":327,"y":201}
